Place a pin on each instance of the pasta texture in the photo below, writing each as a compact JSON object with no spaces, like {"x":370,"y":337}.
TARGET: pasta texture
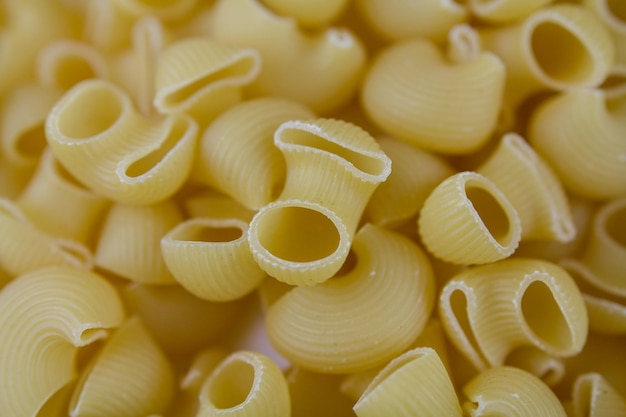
{"x":46,"y":316}
{"x":95,"y":132}
{"x":245,"y":384}
{"x":214,"y":205}
{"x":415,"y":383}
{"x":211,"y":258}
{"x":238,"y":156}
{"x":532,"y":188}
{"x":490,"y":310}
{"x":468,"y":220}
{"x":309,"y":13}
{"x":590,"y":164}
{"x":391,"y":274}
{"x":503,"y":11}
{"x":593,"y":396}
{"x":444,"y":105}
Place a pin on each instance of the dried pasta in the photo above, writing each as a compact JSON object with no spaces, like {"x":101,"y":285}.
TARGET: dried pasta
{"x":593,"y":396}
{"x":309,"y":13}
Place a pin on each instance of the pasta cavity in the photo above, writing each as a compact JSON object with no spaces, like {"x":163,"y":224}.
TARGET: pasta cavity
{"x":490,"y":212}
{"x":232,"y":385}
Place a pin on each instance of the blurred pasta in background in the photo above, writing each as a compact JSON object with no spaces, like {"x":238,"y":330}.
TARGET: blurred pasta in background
{"x":302,"y":208}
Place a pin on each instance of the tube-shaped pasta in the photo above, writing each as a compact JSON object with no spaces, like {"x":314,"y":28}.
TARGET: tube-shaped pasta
{"x":309,"y":13}
{"x":582,"y":140}
{"x":451,"y":106}
{"x":532,"y":188}
{"x":468,"y":220}
{"x":130,"y":358}
{"x":490,"y":310}
{"x":202,"y":76}
{"x":503,"y":11}
{"x":391,"y":275}
{"x":24,"y":248}
{"x":404,"y":19}
{"x":66,"y":62}
{"x":98,"y":136}
{"x":594,"y":396}
{"x":211,"y":258}
{"x":45,"y":316}
{"x":509,"y":391}
{"x":414,"y":176}
{"x":613,"y":14}
{"x":245,"y":384}
{"x":76,"y":218}
{"x":238,"y":156}
{"x":585,"y":57}
{"x":129,"y":244}
{"x":321,"y":71}
{"x":413,"y":384}
{"x":24,"y":112}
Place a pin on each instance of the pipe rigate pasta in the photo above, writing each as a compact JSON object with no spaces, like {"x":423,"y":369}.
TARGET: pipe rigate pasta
{"x":65,"y":63}
{"x":594,"y":396}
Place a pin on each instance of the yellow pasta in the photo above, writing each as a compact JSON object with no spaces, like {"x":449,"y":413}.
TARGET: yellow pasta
{"x":238,"y":156}
{"x":490,"y":310}
{"x":129,"y":244}
{"x":468,"y":220}
{"x":413,"y":384}
{"x":613,"y":14}
{"x":212,"y":204}
{"x":404,"y":19}
{"x":309,"y":13}
{"x":98,"y":136}
{"x":503,"y":11}
{"x":509,"y":391}
{"x":130,"y":376}
{"x":211,"y":258}
{"x":320,"y":70}
{"x":593,"y":396}
{"x":549,"y":369}
{"x":532,"y":188}
{"x":445,"y":105}
{"x":45,"y":317}
{"x":166,"y":10}
{"x":371,"y":313}
{"x":245,"y":384}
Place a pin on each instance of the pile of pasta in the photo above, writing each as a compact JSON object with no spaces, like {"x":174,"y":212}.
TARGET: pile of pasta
{"x":275,"y":207}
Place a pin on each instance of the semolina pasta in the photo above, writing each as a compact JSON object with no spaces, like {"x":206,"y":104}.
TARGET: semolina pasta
{"x":594,"y":396}
{"x":309,"y":13}
{"x":503,"y":11}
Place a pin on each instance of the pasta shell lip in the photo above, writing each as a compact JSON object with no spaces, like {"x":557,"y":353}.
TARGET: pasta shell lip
{"x":375,"y":176}
{"x":172,"y":238}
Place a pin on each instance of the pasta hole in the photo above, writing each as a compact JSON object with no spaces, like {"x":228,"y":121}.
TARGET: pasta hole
{"x":32,"y":142}
{"x":618,"y":9}
{"x":616,"y":226}
{"x":490,"y":212}
{"x":458,"y":305}
{"x":544,"y":317}
{"x":90,"y":114}
{"x":148,"y":162}
{"x":560,"y":54}
{"x":232,"y":385}
{"x":212,"y":234}
{"x":71,"y":70}
{"x":391,"y":368}
{"x":298,"y":234}
{"x":364,"y":163}
{"x":584,"y":397}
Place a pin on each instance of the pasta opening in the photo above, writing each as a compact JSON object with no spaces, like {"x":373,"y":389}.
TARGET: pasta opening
{"x":490,"y":212}
{"x":70,"y":70}
{"x":360,"y":161}
{"x":232,"y":385}
{"x":616,"y":226}
{"x":145,"y":164}
{"x":90,"y":114}
{"x":203,"y":233}
{"x":458,"y":305}
{"x":618,"y":9}
{"x":32,"y":142}
{"x":298,"y":234}
{"x":544,"y":317}
{"x":560,"y":54}
{"x":394,"y":366}
{"x":240,"y":68}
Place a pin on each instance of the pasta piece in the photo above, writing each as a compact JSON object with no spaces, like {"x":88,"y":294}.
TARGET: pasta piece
{"x":238,"y":156}
{"x":357,"y":330}
{"x":309,"y":13}
{"x":163,"y":308}
{"x":129,"y":244}
{"x":130,"y":357}
{"x":211,"y":204}
{"x":24,"y":248}
{"x":509,"y":391}
{"x":203,"y":77}
{"x":613,"y":14}
{"x":490,"y":310}
{"x":321,"y":71}
{"x":413,"y":384}
{"x":65,"y":63}
{"x":549,"y":369}
{"x":582,"y":140}
{"x":22,"y":133}
{"x":211,"y":258}
{"x":414,"y":176}
{"x":614,"y":85}
{"x":97,"y":135}
{"x":444,"y":105}
{"x":532,"y":188}
{"x":505,"y":11}
{"x":201,"y":367}
{"x":468,"y":220}
{"x":245,"y":384}
{"x":165,"y":10}
{"x":594,"y":396}
{"x":45,"y":317}
{"x":78,"y":216}
{"x":404,"y":19}
{"x":313,"y":394}
{"x":107,"y":26}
